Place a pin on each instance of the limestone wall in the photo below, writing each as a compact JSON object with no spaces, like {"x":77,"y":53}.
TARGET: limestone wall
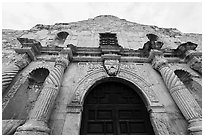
{"x":61,"y":121}
{"x":86,"y":34}
{"x":130,"y":35}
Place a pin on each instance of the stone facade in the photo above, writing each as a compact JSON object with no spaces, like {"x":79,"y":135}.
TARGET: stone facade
{"x":44,"y":92}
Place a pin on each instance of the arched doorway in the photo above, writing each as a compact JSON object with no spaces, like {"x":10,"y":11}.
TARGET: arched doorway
{"x":112,"y":107}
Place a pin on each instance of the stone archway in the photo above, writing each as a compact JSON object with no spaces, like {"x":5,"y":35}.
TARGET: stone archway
{"x":158,"y":116}
{"x":111,"y":107}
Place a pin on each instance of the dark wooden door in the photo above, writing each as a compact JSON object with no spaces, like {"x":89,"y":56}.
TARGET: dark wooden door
{"x":114,"y":108}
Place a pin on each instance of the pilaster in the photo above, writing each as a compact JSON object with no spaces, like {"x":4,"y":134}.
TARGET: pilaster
{"x":182,"y":97}
{"x":40,"y":114}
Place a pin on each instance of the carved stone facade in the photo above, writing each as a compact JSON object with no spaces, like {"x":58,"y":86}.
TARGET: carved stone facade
{"x":183,"y":98}
{"x":39,"y":116}
{"x":78,"y":61}
{"x":10,"y":72}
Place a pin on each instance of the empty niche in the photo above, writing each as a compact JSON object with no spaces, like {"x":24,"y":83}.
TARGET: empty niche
{"x":61,"y":37}
{"x":36,"y":79}
{"x":193,"y":86}
{"x":26,"y":96}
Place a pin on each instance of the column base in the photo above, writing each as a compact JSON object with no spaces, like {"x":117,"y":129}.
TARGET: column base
{"x":33,"y":127}
{"x":195,"y":126}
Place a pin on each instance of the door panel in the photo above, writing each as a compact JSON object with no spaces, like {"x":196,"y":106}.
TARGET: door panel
{"x":114,"y":108}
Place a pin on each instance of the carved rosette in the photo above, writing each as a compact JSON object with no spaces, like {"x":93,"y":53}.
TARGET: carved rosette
{"x":183,"y":98}
{"x":40,"y":114}
{"x":10,"y":72}
{"x":111,"y":67}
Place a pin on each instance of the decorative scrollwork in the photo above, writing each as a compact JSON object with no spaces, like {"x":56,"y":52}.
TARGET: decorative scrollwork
{"x":85,"y":84}
{"x":90,"y":66}
{"x":91,"y":78}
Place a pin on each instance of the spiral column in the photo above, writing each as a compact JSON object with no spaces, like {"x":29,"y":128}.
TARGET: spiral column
{"x":40,"y":114}
{"x":182,"y":97}
{"x":10,"y":72}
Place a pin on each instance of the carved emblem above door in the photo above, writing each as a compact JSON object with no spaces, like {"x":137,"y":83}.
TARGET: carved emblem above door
{"x":111,"y":67}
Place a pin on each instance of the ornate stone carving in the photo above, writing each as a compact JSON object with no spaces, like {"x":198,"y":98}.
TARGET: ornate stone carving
{"x":85,"y":84}
{"x":159,"y":62}
{"x":161,"y":125}
{"x":62,"y":61}
{"x":10,"y":72}
{"x":128,"y":66}
{"x":39,"y":116}
{"x":111,"y":67}
{"x":90,"y":79}
{"x":8,"y":75}
{"x":183,"y":98}
{"x":90,"y":66}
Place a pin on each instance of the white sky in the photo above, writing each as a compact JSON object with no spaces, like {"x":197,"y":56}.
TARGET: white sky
{"x":185,"y":16}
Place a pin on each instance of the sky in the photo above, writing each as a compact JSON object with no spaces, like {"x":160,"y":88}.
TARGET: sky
{"x":185,"y":16}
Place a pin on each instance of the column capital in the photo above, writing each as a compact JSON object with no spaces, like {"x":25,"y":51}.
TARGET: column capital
{"x":158,"y":60}
{"x":154,"y":53}
{"x":62,"y":62}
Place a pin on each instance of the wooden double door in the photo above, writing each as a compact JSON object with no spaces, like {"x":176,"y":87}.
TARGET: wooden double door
{"x":114,"y":108}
